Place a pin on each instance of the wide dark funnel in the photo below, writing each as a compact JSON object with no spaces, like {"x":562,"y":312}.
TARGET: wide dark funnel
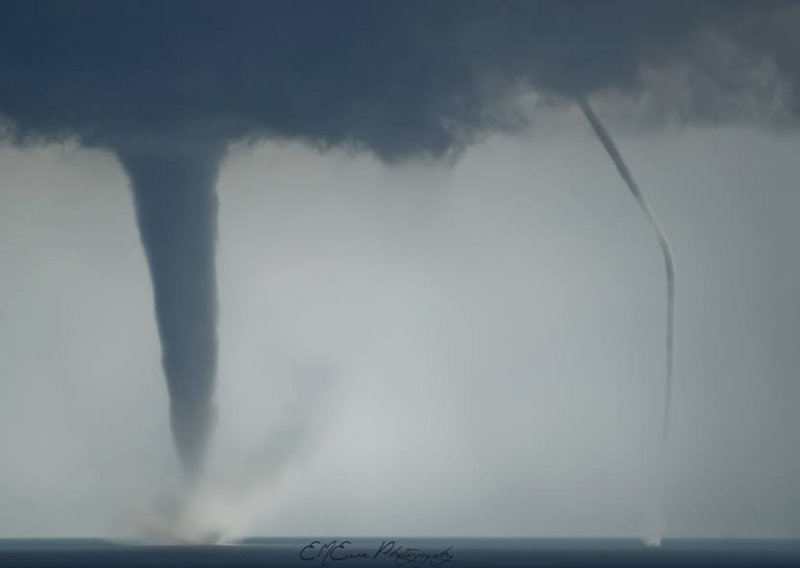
{"x":176,"y":208}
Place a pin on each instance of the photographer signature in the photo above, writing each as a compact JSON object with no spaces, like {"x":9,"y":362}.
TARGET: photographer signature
{"x":337,"y":550}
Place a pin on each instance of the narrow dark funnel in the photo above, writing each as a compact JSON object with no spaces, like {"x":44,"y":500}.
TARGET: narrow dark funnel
{"x":176,"y":209}
{"x":669,"y":270}
{"x":666,"y":252}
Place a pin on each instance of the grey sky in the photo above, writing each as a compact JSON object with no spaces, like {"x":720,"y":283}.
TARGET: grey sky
{"x":495,"y":328}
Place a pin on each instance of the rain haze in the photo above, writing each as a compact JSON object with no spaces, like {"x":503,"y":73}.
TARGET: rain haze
{"x":368,"y":269}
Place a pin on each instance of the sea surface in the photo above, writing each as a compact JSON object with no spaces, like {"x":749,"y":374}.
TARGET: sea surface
{"x":355,"y":552}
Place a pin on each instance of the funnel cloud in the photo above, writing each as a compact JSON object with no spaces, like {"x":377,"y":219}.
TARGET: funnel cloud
{"x":666,"y":251}
{"x":669,"y":270}
{"x":176,"y":210}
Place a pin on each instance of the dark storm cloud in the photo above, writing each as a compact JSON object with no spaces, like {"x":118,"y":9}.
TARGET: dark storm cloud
{"x":398,"y":78}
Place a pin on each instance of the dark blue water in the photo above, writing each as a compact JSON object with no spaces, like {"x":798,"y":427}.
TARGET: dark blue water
{"x":375,"y":552}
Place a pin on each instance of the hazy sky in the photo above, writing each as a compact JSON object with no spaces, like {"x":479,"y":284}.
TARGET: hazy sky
{"x":441,"y":311}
